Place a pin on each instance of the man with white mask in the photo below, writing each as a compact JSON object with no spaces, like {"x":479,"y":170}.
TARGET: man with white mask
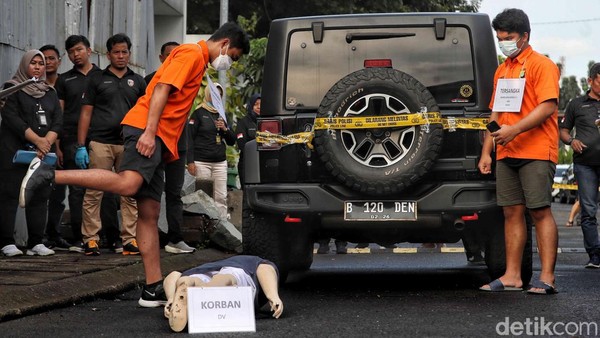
{"x":525,"y":106}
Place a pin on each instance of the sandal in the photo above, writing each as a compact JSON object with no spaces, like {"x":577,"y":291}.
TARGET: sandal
{"x":543,"y":288}
{"x":569,"y":224}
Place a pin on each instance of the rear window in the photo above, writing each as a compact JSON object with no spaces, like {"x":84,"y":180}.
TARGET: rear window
{"x":445,"y":66}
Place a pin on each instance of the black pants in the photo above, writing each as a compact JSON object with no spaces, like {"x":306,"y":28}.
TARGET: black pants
{"x":174,"y":175}
{"x":75,"y":193}
{"x":35,"y":213}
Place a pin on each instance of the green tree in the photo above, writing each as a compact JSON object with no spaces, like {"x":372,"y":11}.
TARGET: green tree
{"x":569,"y":89}
{"x":583,"y":81}
{"x":245,"y":79}
{"x":203,"y":15}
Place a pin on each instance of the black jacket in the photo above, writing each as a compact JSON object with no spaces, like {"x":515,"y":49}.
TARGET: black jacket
{"x":20,"y":113}
{"x":202,"y":138}
{"x":245,"y":132}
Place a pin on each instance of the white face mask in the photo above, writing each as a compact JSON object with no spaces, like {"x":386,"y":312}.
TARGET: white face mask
{"x":509,"y":48}
{"x":223,"y":61}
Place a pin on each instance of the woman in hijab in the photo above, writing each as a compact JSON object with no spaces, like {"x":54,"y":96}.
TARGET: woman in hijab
{"x":31,"y":120}
{"x":246,"y":131}
{"x":208,"y":135}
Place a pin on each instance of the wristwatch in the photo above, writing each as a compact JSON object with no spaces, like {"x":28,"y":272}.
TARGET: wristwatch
{"x":569,"y":141}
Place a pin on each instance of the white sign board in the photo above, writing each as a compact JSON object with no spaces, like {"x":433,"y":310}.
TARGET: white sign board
{"x":220,"y":309}
{"x":509,"y":95}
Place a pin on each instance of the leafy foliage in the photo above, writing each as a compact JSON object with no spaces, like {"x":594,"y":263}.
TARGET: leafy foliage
{"x":569,"y":89}
{"x":203,"y":15}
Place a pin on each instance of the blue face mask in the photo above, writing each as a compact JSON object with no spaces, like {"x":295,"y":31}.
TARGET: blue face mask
{"x":509,"y":48}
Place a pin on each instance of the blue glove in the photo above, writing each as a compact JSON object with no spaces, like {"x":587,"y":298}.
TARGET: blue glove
{"x":82,"y":159}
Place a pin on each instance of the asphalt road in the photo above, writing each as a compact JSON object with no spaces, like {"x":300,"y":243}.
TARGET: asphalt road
{"x":385,"y":294}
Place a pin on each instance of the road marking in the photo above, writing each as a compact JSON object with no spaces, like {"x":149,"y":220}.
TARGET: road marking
{"x":405,"y":250}
{"x":433,"y":250}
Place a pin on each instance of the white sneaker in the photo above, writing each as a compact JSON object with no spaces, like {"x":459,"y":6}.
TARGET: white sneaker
{"x":40,"y":250}
{"x":179,"y":248}
{"x":11,"y":250}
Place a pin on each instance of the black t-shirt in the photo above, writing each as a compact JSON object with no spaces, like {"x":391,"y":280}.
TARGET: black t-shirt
{"x":581,"y":114}
{"x":112,"y":97}
{"x":202,"y":138}
{"x":69,"y":87}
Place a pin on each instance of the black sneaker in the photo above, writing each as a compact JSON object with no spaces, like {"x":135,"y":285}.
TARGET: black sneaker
{"x":594,"y":262}
{"x":117,"y":247}
{"x":131,"y":248}
{"x":77,"y":247}
{"x":59,"y":244}
{"x":91,"y":248}
{"x":39,"y":174}
{"x":153,"y":296}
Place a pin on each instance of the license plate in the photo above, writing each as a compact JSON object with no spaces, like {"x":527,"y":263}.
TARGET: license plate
{"x":380,"y":210}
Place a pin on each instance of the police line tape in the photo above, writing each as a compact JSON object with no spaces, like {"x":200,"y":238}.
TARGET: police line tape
{"x":564,"y":186}
{"x":392,"y":121}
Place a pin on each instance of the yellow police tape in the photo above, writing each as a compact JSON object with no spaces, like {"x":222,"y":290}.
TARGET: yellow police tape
{"x":564,"y":186}
{"x":403,"y":120}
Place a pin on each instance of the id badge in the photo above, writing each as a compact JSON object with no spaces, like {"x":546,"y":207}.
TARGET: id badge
{"x":41,"y":117}
{"x":218,"y":139}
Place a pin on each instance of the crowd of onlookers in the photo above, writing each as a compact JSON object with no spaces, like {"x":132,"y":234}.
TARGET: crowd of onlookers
{"x":77,"y":116}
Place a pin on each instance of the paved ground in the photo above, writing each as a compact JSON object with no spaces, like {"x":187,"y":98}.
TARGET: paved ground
{"x":34,"y":284}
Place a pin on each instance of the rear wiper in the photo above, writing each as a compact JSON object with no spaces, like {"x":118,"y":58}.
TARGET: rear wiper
{"x":375,"y":36}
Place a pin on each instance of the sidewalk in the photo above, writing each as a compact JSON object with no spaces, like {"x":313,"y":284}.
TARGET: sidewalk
{"x":31,"y":284}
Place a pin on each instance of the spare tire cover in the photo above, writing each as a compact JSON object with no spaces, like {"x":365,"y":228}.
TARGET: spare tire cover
{"x":383,"y":160}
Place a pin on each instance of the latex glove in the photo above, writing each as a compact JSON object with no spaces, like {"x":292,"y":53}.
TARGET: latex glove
{"x":82,"y":159}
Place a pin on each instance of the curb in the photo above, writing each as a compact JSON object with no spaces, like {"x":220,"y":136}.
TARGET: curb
{"x":63,"y":292}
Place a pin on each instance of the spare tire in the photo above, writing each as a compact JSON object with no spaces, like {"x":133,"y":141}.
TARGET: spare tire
{"x":378,"y":161}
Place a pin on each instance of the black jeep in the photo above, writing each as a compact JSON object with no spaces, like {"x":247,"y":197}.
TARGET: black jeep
{"x":382,"y":183}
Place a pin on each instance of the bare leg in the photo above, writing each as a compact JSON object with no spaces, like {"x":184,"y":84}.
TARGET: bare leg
{"x":125,"y":183}
{"x":574,"y":211}
{"x":515,"y":236}
{"x":547,"y":240}
{"x":147,"y":238}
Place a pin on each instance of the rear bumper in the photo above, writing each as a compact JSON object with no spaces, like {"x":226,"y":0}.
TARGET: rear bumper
{"x":454,"y":197}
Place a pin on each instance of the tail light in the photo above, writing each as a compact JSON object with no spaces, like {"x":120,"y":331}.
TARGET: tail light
{"x":269,"y":126}
{"x":378,"y":63}
{"x":289,"y":219}
{"x":473,"y":217}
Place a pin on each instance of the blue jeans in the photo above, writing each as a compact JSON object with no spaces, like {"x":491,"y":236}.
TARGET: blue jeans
{"x":587,"y":183}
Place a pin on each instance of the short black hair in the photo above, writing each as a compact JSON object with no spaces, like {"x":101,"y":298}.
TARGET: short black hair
{"x":239,"y":38}
{"x":594,"y":70}
{"x":512,"y":20}
{"x":167,"y":44}
{"x":75,"y":39}
{"x":50,"y":47}
{"x":117,"y":38}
